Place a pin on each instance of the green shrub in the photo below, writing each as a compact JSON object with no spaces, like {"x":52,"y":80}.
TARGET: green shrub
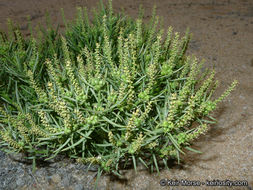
{"x":110,"y":92}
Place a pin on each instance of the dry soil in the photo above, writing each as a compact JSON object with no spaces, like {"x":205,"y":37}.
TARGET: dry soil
{"x":223,"y":36}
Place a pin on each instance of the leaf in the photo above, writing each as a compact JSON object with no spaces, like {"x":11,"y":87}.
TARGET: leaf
{"x":156,"y":165}
{"x":143,"y":162}
{"x":34,"y":165}
{"x":193,"y":150}
{"x":134,"y":162}
{"x":98,"y":177}
{"x":174,"y":142}
{"x":149,"y":140}
{"x":166,"y":165}
{"x":207,"y":121}
{"x":59,"y":149}
{"x":75,"y":144}
{"x":112,"y":123}
{"x":104,"y":145}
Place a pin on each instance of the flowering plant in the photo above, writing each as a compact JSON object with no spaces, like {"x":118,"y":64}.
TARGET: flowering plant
{"x":110,"y":92}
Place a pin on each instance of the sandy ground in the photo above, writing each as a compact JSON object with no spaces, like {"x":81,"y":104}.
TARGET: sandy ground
{"x":223,"y":36}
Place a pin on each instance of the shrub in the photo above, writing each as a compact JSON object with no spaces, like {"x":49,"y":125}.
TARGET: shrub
{"x":110,"y":92}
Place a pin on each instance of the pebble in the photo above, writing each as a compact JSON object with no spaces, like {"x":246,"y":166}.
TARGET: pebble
{"x":20,"y":182}
{"x":245,"y":107}
{"x":56,"y":178}
{"x":234,"y":33}
{"x":242,"y":97}
{"x":78,"y":187}
{"x":66,"y":180}
{"x":61,"y":174}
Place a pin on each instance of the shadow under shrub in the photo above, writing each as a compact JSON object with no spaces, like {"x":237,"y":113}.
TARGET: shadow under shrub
{"x":107,"y":92}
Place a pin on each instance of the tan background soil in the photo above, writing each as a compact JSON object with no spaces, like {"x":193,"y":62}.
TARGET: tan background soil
{"x":223,"y":35}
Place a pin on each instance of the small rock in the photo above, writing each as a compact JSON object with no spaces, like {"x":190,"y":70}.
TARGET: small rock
{"x":242,"y":97}
{"x":12,"y":185}
{"x":66,"y":180}
{"x":20,"y":182}
{"x":78,"y":187}
{"x":41,"y":172}
{"x":56,"y":178}
{"x":245,"y":107}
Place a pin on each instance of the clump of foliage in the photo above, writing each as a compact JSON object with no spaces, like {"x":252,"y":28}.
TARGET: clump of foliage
{"x":108,"y":92}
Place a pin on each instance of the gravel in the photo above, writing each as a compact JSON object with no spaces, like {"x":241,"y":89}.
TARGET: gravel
{"x":16,"y":174}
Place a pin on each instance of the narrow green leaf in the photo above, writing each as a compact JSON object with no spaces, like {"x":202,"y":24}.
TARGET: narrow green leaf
{"x":75,"y":144}
{"x":104,"y":145}
{"x":112,"y":123}
{"x":134,"y":162}
{"x":98,"y":177}
{"x":175,"y":143}
{"x":59,"y":149}
{"x":143,"y":162}
{"x":156,"y":165}
{"x":193,"y":150}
